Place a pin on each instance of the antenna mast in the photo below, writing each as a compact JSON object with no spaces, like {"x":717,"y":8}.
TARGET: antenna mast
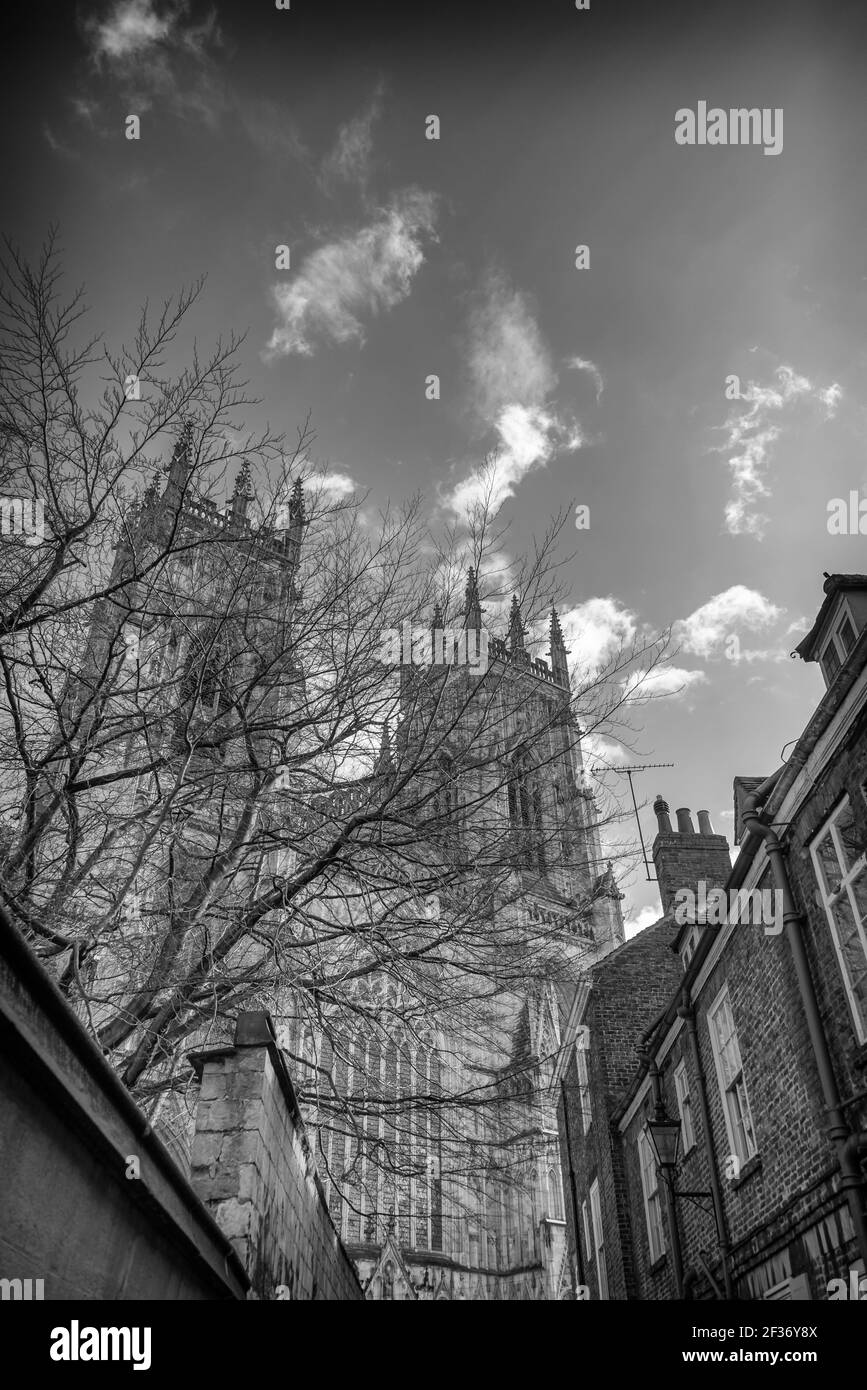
{"x":636,"y":767}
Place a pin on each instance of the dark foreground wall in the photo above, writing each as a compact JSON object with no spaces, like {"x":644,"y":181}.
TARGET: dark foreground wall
{"x":69,"y":1215}
{"x":69,"y":1130}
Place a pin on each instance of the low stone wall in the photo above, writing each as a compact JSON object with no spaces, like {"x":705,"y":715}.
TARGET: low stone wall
{"x":93,"y":1206}
{"x":253,"y":1167}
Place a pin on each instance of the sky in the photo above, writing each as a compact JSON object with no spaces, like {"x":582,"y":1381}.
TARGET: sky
{"x":602,"y":387}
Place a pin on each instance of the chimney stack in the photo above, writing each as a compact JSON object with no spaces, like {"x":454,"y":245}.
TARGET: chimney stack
{"x":685,"y":857}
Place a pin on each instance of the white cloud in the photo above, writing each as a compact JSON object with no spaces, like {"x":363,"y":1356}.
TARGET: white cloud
{"x":831,"y":398}
{"x":334,"y":486}
{"x":596,"y":630}
{"x":601,"y":751}
{"x":705,"y":631}
{"x":751,"y":435}
{"x":131,"y":28}
{"x":365,"y":273}
{"x":645,"y":917}
{"x":528,"y":437}
{"x":512,"y":379}
{"x":583,"y":364}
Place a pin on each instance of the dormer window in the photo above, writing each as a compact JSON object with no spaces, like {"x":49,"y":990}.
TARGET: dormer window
{"x":839,"y":627}
{"x":838,"y":646}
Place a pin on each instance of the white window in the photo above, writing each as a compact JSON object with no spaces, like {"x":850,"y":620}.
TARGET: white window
{"x":841,"y":871}
{"x":730,"y":1075}
{"x":588,"y":1244}
{"x":839,"y":645}
{"x":684,"y":1105}
{"x":599,"y":1240}
{"x":652,"y":1197}
{"x":555,"y":1195}
{"x":688,"y":950}
{"x":584,"y":1102}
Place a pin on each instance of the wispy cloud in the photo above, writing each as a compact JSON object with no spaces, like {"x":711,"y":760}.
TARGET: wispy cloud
{"x":583,"y":364}
{"x":752,"y":432}
{"x":349,"y":162}
{"x":57,"y":146}
{"x":512,"y":380}
{"x":663,"y":679}
{"x":159,"y":53}
{"x":360,"y":275}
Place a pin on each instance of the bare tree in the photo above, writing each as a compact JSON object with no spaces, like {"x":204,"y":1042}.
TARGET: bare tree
{"x":227,"y":781}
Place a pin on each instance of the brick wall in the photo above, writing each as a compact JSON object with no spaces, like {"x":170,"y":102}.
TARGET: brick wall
{"x":784,"y":1211}
{"x":252,"y":1166}
{"x":629,"y":988}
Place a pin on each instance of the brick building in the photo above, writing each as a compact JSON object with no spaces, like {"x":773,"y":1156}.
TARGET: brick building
{"x":758,"y":1050}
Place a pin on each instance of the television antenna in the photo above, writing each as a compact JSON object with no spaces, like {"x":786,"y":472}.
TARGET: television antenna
{"x":636,"y":767}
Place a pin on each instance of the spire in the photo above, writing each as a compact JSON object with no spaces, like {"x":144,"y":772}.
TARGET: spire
{"x":516,"y":628}
{"x":435,"y":627}
{"x":558,"y":651}
{"x":473,"y":608}
{"x":384,"y":764}
{"x":181,"y":465}
{"x":243,"y":492}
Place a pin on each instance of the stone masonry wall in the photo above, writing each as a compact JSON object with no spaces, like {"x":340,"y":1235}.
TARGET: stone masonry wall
{"x":253,"y":1167}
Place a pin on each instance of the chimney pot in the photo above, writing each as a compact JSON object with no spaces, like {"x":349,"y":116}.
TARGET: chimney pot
{"x":663,"y":819}
{"x":704,"y":825}
{"x":684,"y":821}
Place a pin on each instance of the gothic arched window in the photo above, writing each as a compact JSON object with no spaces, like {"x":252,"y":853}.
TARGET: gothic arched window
{"x":525,"y":807}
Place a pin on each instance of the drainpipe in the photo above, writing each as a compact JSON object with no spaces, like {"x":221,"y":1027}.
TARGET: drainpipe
{"x":573,"y":1188}
{"x":687,"y":1013}
{"x":846,"y":1143}
{"x":670,"y":1206}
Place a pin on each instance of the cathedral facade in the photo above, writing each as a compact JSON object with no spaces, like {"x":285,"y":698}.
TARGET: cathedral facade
{"x":460,"y":1194}
{"x":430,"y":1088}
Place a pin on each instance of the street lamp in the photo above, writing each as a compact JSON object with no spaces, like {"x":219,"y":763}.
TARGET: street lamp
{"x":664,"y":1137}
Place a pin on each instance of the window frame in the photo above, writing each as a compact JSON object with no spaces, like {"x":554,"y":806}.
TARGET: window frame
{"x":599,"y":1239}
{"x":585,"y":1103}
{"x":829,"y":900}
{"x":836,"y":644}
{"x":684,"y":1107}
{"x":648,"y":1168}
{"x":588,"y":1244}
{"x":729,"y":1090}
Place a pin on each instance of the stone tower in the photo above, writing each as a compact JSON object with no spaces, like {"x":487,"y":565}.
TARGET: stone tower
{"x":471,"y":1206}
